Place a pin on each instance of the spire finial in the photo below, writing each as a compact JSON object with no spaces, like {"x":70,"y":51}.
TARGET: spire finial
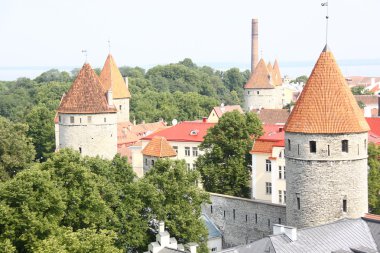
{"x":84,"y":52}
{"x":326,"y":4}
{"x":109,"y":46}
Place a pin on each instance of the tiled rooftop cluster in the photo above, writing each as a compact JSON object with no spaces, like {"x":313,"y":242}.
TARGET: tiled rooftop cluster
{"x":159,"y":147}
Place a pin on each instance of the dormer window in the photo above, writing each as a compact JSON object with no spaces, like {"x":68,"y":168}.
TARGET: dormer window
{"x":194,"y":132}
{"x":345,"y":146}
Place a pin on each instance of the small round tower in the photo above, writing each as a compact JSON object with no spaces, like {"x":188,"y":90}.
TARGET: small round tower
{"x":87,"y":117}
{"x":112,"y":79}
{"x":325,"y":151}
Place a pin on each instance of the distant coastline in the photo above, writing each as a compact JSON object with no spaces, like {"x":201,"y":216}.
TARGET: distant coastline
{"x":369,"y":67}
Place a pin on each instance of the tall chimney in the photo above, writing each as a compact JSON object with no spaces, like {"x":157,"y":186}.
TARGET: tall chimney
{"x":255,"y":44}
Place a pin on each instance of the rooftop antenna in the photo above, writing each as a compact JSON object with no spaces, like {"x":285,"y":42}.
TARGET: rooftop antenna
{"x":326,"y":4}
{"x":109,"y":46}
{"x":84,"y":52}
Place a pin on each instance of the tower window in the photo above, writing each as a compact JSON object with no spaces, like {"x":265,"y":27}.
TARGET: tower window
{"x":152,"y":162}
{"x":233,"y":213}
{"x":224,"y":213}
{"x":284,"y":197}
{"x":80,"y":120}
{"x":120,"y":107}
{"x":59,"y":119}
{"x":365,"y":143}
{"x":279,"y":220}
{"x":268,"y":166}
{"x":256,"y":218}
{"x":298,"y":203}
{"x":328,"y":150}
{"x":211,"y":209}
{"x":289,"y":146}
{"x":71,"y":119}
{"x":345,"y":146}
{"x":268,"y":223}
{"x":80,"y":150}
{"x":258,"y":92}
{"x":105,"y":119}
{"x":313,"y":146}
{"x":298,"y":149}
{"x":89,"y":119}
{"x":345,"y":205}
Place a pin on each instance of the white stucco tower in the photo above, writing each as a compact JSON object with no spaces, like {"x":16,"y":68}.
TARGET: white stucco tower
{"x":111,"y":79}
{"x":87,"y":117}
{"x":325,"y":151}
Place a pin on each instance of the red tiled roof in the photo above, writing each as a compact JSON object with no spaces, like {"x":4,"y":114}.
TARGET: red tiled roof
{"x":326,"y":104}
{"x":274,"y":136}
{"x":111,"y":78}
{"x":264,"y":146}
{"x":276,"y":74}
{"x":272,"y":116}
{"x":186,"y":131}
{"x":220,"y":110}
{"x":86,"y":95}
{"x":261,"y":78}
{"x":159,"y":147}
{"x":367,"y":99}
{"x":128,"y":133}
{"x":374,"y":124}
{"x":370,"y":216}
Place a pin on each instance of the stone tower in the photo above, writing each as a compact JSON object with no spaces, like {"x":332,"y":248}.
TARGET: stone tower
{"x":254,"y":44}
{"x":87,"y":117}
{"x":111,"y":79}
{"x":325,"y":151}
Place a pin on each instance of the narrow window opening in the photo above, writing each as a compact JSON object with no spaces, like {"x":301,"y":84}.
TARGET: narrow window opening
{"x":345,"y":146}
{"x":105,"y":119}
{"x":59,"y":119}
{"x":328,"y":150}
{"x":279,"y":220}
{"x":358,"y":150}
{"x":298,"y":149}
{"x":365,"y":144}
{"x":120,"y":107}
{"x":279,"y":196}
{"x":284,"y":173}
{"x":233,"y":211}
{"x":71,"y":119}
{"x":80,"y":120}
{"x":289,"y":146}
{"x":224,"y":213}
{"x":345,"y":205}
{"x":211,"y":209}
{"x":246,"y":218}
{"x":284,"y":197}
{"x":298,"y":203}
{"x":80,"y":150}
{"x":256,"y":218}
{"x":268,"y":223}
{"x":313,"y":146}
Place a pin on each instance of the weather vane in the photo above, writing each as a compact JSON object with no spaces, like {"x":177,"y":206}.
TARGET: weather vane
{"x":326,"y":4}
{"x":85,"y":54}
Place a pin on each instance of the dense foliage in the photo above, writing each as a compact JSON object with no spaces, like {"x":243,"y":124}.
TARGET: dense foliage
{"x":374,"y":178}
{"x":224,"y":166}
{"x":78,"y":204}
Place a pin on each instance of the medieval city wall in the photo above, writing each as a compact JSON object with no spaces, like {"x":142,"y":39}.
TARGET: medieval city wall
{"x":243,"y":220}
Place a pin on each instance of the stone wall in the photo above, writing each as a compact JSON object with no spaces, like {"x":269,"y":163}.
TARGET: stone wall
{"x":318,"y":184}
{"x":91,"y":134}
{"x":243,"y":220}
{"x":264,"y":98}
{"x":122,"y":106}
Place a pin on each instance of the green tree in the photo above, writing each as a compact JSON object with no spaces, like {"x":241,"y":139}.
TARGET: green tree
{"x":180,"y":206}
{"x":53,"y":75}
{"x":41,"y":131}
{"x":360,"y":90}
{"x":300,"y":79}
{"x":16,"y":149}
{"x":374,"y":178}
{"x":224,"y":165}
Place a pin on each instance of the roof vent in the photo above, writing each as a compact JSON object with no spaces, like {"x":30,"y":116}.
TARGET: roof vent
{"x":194,"y":132}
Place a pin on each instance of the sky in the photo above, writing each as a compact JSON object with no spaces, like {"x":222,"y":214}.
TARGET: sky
{"x":50,"y":33}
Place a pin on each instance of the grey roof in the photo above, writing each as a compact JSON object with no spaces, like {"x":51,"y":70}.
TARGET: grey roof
{"x":169,"y":250}
{"x":345,"y":235}
{"x":213,"y":231}
{"x":374,"y":227}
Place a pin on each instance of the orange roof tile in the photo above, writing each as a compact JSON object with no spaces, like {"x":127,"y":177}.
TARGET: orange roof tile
{"x":86,"y":95}
{"x":261,"y":78}
{"x":272,"y":116}
{"x":276,"y":74}
{"x":265,"y":146}
{"x":111,"y":78}
{"x":373,"y":217}
{"x":159,"y":147}
{"x":326,"y":104}
{"x":220,"y":110}
{"x":128,"y":133}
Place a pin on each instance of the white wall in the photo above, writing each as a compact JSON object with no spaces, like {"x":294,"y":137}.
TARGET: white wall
{"x":98,"y":137}
{"x":214,"y":243}
{"x":123,"y":112}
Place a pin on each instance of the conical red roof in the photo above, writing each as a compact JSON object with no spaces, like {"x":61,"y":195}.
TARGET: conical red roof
{"x":261,"y":78}
{"x":86,"y":95}
{"x":159,"y":147}
{"x":111,"y":78}
{"x":276,"y":74}
{"x":326,"y":104}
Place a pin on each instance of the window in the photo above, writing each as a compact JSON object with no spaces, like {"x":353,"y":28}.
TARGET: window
{"x":213,"y":249}
{"x":71,"y":119}
{"x":365,"y":144}
{"x":248,"y":92}
{"x":313,"y":146}
{"x":268,"y":166}
{"x":298,"y":203}
{"x":328,"y":150}
{"x":224,"y":213}
{"x":258,"y":92}
{"x":105,"y":120}
{"x":298,"y":149}
{"x":195,"y":151}
{"x":146,"y":161}
{"x":80,"y":150}
{"x":175,"y":149}
{"x":268,"y":223}
{"x":345,"y":205}
{"x":152,"y":162}
{"x":194,"y":166}
{"x":188,"y":166}
{"x":187,"y":151}
{"x":268,"y":188}
{"x":211,"y":208}
{"x":89,"y":119}
{"x":120,"y":107}
{"x":345,"y":146}
{"x":256,"y":218}
{"x":234,"y":213}
{"x":289,"y":146}
{"x":279,"y":172}
{"x":59,"y":119}
{"x":284,"y":197}
{"x":80,"y":120}
{"x":280,"y":196}
{"x":284,"y":173}
{"x":279,"y":220}
{"x":280,"y":154}
{"x":246,"y":218}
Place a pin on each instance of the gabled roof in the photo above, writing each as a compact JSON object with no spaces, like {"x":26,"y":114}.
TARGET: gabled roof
{"x":273,"y":136}
{"x":272,"y":116}
{"x":111,"y":78}
{"x":220,"y":110}
{"x":261,"y":78}
{"x":86,"y":95}
{"x":367,"y":99}
{"x":159,"y":147}
{"x":326,"y":104}
{"x":128,"y":133}
{"x":276,"y":74}
{"x":186,"y":131}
